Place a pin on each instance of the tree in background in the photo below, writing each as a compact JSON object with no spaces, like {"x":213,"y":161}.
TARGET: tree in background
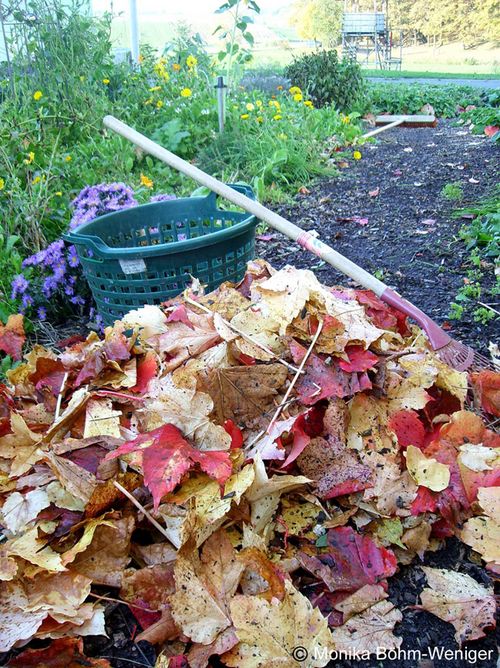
{"x":319,"y":20}
{"x":471,"y":22}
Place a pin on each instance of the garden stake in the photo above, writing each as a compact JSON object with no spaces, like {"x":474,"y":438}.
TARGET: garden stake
{"x":452,"y":352}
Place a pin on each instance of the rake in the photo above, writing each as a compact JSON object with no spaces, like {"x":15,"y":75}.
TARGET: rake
{"x":452,"y":352}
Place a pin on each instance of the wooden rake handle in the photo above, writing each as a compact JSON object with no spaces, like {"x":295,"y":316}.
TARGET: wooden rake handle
{"x":292,"y":231}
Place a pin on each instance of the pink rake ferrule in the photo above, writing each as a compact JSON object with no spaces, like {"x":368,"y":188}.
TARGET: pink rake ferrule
{"x":438,"y":338}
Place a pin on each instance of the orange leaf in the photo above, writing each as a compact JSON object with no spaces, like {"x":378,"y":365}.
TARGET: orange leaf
{"x":62,"y":653}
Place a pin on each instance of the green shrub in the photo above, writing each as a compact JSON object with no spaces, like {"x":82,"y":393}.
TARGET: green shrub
{"x":402,"y":98}
{"x":453,"y":192}
{"x":328,"y":80}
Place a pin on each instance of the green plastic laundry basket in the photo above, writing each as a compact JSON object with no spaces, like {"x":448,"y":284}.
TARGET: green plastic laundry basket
{"x":149,"y":253}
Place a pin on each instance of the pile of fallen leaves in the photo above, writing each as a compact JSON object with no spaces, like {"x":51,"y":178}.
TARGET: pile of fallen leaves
{"x":244,"y":470}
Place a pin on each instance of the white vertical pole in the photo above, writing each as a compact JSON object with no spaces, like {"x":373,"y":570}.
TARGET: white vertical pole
{"x":134,"y":31}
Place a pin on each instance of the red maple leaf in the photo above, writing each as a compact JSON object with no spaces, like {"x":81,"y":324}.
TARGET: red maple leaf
{"x":61,"y":653}
{"x":322,"y":381}
{"x":114,"y":349}
{"x":167,"y":455}
{"x":359,"y":359}
{"x":12,"y":336}
{"x":180,"y":314}
{"x":381,"y":314}
{"x":351,"y":562}
{"x":408,"y":428}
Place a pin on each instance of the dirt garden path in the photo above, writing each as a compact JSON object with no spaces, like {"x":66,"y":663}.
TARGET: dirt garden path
{"x":386,"y":213}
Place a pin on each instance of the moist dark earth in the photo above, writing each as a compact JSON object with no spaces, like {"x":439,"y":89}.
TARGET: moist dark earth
{"x":427,"y":264}
{"x":424,"y":261}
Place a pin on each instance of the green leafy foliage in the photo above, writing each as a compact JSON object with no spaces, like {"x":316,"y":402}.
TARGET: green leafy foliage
{"x":410,"y":98}
{"x":328,"y":80}
{"x":453,"y":192}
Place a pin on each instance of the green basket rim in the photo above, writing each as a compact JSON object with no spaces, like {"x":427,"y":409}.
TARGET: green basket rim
{"x":103,"y":250}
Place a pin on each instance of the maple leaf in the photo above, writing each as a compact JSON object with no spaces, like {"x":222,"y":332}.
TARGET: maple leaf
{"x":367,"y":632}
{"x":18,"y":624}
{"x":166,"y":455}
{"x":181,"y":341}
{"x":427,"y":471}
{"x":61,"y":653}
{"x":211,"y":582}
{"x":352,"y":561}
{"x":483,"y":533}
{"x":383,"y":315}
{"x":21,"y":509}
{"x":12,"y":336}
{"x":408,"y":428}
{"x":107,"y":353}
{"x":486,"y":385}
{"x":322,"y":381}
{"x":241,"y":393}
{"x":22,"y":446}
{"x":359,"y":359}
{"x":460,"y":600}
{"x":107,"y":555}
{"x":149,"y":319}
{"x":269,"y":632}
{"x":147,"y":368}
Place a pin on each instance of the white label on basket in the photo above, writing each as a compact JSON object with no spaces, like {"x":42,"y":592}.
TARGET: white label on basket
{"x":135,"y":266}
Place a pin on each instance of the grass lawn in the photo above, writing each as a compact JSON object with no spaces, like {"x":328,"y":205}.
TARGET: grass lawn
{"x":423,"y":74}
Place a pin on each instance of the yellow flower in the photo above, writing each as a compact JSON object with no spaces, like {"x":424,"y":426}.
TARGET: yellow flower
{"x":36,"y":179}
{"x":146,"y":181}
{"x":309,"y":104}
{"x":282,"y":136}
{"x":30,"y":158}
{"x":298,"y":97}
{"x":37,"y":95}
{"x":186,"y":92}
{"x":277,"y":117}
{"x":82,"y":78}
{"x":244,"y":117}
{"x":140,"y":60}
{"x":258,"y":103}
{"x":357,"y":155}
{"x":58,"y":193}
{"x":249,"y":106}
{"x":2,"y":184}
{"x":176,"y":67}
{"x":191,"y":61}
{"x":105,"y":82}
{"x":279,"y":87}
{"x":259,"y":119}
{"x":68,"y":158}
{"x":274,"y":103}
{"x":148,"y":101}
{"x":294,"y":90}
{"x":159,"y":104}
{"x":153,"y":88}
{"x":345,"y":119}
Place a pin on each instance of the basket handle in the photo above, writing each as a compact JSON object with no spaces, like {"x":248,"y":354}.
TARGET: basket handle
{"x":242,"y":188}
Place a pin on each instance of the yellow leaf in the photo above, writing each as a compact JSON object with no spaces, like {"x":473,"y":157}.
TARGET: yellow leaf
{"x":36,"y":551}
{"x":427,"y":471}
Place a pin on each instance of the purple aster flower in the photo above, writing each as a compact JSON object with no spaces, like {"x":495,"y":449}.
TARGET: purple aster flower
{"x":162,"y":197}
{"x":27,"y":301}
{"x":94,"y":201}
{"x":72,"y":255}
{"x":79,"y":301}
{"x":42,"y":313}
{"x":19,"y":285}
{"x":68,"y":290}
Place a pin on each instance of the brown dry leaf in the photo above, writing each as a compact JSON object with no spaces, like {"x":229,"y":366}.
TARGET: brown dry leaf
{"x":59,"y":594}
{"x":483,"y":533}
{"x":181,"y":341}
{"x":360,"y":600}
{"x":8,"y":566}
{"x":101,"y":419}
{"x":367,"y":632}
{"x":393,"y":490}
{"x":244,"y":392}
{"x":76,"y":480}
{"x":107,"y":555}
{"x":157,"y":553}
{"x":162,"y":630}
{"x":211,"y":582}
{"x":84,"y":541}
{"x":150,"y":587}
{"x":460,"y":600}
{"x":226,"y":300}
{"x":269,"y":632}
